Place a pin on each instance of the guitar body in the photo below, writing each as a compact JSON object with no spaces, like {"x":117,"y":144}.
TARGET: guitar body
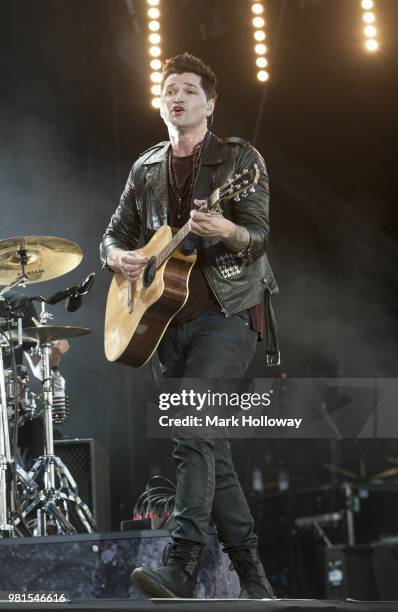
{"x":137,"y":316}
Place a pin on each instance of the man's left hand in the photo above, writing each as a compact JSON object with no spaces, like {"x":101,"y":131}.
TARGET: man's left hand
{"x":209,"y":224}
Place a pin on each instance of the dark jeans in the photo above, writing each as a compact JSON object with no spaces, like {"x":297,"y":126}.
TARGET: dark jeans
{"x":210,"y":346}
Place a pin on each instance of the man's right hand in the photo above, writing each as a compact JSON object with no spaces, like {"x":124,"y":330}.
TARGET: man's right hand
{"x":128,"y":263}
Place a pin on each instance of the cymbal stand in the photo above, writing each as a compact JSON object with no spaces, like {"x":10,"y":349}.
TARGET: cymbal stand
{"x":57,"y":503}
{"x":23,"y":278}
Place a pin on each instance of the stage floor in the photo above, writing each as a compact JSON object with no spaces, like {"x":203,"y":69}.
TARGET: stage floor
{"x":219,"y":605}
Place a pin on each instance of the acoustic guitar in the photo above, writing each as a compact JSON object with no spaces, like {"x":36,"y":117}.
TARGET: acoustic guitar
{"x":138,"y":313}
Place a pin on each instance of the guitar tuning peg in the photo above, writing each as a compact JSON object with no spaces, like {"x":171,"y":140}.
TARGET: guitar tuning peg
{"x":244,"y":194}
{"x":252,"y":189}
{"x":237,"y":198}
{"x":245,"y":171}
{"x":245,"y":182}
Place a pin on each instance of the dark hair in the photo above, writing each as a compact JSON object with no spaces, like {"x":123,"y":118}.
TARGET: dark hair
{"x":189,"y":63}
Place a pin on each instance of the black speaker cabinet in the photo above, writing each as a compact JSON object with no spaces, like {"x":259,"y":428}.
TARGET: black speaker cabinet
{"x":88,"y":463}
{"x":385,"y":565}
{"x":349,"y":573}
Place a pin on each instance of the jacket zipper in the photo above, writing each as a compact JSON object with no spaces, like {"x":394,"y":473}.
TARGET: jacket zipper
{"x":223,"y":309}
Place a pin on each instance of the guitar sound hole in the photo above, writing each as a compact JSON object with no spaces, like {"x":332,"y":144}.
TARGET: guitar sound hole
{"x":149,"y":272}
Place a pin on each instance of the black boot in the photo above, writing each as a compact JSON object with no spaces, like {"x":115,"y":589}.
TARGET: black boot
{"x":176,"y":578}
{"x":253,"y":581}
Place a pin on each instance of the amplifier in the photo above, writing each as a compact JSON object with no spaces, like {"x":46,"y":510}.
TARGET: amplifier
{"x":348,"y":573}
{"x":88,"y":463}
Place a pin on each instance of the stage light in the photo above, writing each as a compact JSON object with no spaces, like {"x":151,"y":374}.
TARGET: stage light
{"x":154,"y":13}
{"x":154,"y":51}
{"x":260,"y":49}
{"x":156,"y":64}
{"x":370,"y":31}
{"x":156,"y":77}
{"x":372,"y":45}
{"x":261,"y":62}
{"x":262,"y":75}
{"x":154,"y":38}
{"x":259,"y":35}
{"x":257,"y":8}
{"x":369,"y":17}
{"x":258,"y":22}
{"x":154,"y":26}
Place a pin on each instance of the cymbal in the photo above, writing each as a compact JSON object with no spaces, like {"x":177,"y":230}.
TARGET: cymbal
{"x":46,"y":257}
{"x":385,"y":474}
{"x":49,"y":333}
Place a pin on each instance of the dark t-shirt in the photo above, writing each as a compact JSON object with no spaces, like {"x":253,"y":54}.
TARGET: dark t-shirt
{"x":201,"y":298}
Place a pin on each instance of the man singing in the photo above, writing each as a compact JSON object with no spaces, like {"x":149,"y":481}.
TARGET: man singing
{"x":216,"y":332}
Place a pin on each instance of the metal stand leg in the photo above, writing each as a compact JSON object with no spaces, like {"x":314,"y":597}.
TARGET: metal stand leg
{"x":54,"y":505}
{"x":59,"y":510}
{"x":6,"y":529}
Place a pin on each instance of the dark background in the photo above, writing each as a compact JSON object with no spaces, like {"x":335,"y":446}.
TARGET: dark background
{"x":75,"y":112}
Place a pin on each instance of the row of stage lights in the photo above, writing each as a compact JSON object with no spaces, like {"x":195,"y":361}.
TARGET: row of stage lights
{"x":259,"y":35}
{"x":369,"y":29}
{"x":155,"y":51}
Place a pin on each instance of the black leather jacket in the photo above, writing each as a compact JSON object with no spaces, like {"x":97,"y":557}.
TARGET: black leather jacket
{"x":238,"y":279}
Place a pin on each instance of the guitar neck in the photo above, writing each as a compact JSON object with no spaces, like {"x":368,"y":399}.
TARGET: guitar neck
{"x":171,"y":246}
{"x":240,"y":184}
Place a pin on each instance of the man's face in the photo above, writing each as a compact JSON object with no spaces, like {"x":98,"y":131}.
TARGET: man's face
{"x":183,"y":101}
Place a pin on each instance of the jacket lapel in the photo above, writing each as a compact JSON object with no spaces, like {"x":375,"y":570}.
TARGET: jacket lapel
{"x":156,"y":174}
{"x":209,"y":160}
{"x":156,"y":177}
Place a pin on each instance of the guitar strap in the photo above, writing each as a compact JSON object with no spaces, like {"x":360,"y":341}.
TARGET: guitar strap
{"x":272,"y":353}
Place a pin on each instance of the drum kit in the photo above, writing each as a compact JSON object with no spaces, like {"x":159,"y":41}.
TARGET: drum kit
{"x":45,"y":499}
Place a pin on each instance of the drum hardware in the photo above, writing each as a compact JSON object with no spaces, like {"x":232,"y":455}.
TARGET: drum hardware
{"x":46,"y":500}
{"x":317,"y":523}
{"x":20,"y":397}
{"x":60,"y":399}
{"x":44,"y":333}
{"x":55,"y":507}
{"x":34,"y":259}
{"x":6,"y":459}
{"x":387,"y":473}
{"x":8,"y":494}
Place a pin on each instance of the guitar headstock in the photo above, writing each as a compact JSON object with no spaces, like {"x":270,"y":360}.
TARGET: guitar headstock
{"x":236,"y":187}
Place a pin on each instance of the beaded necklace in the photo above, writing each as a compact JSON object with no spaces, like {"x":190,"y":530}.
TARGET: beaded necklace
{"x":186,"y":194}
